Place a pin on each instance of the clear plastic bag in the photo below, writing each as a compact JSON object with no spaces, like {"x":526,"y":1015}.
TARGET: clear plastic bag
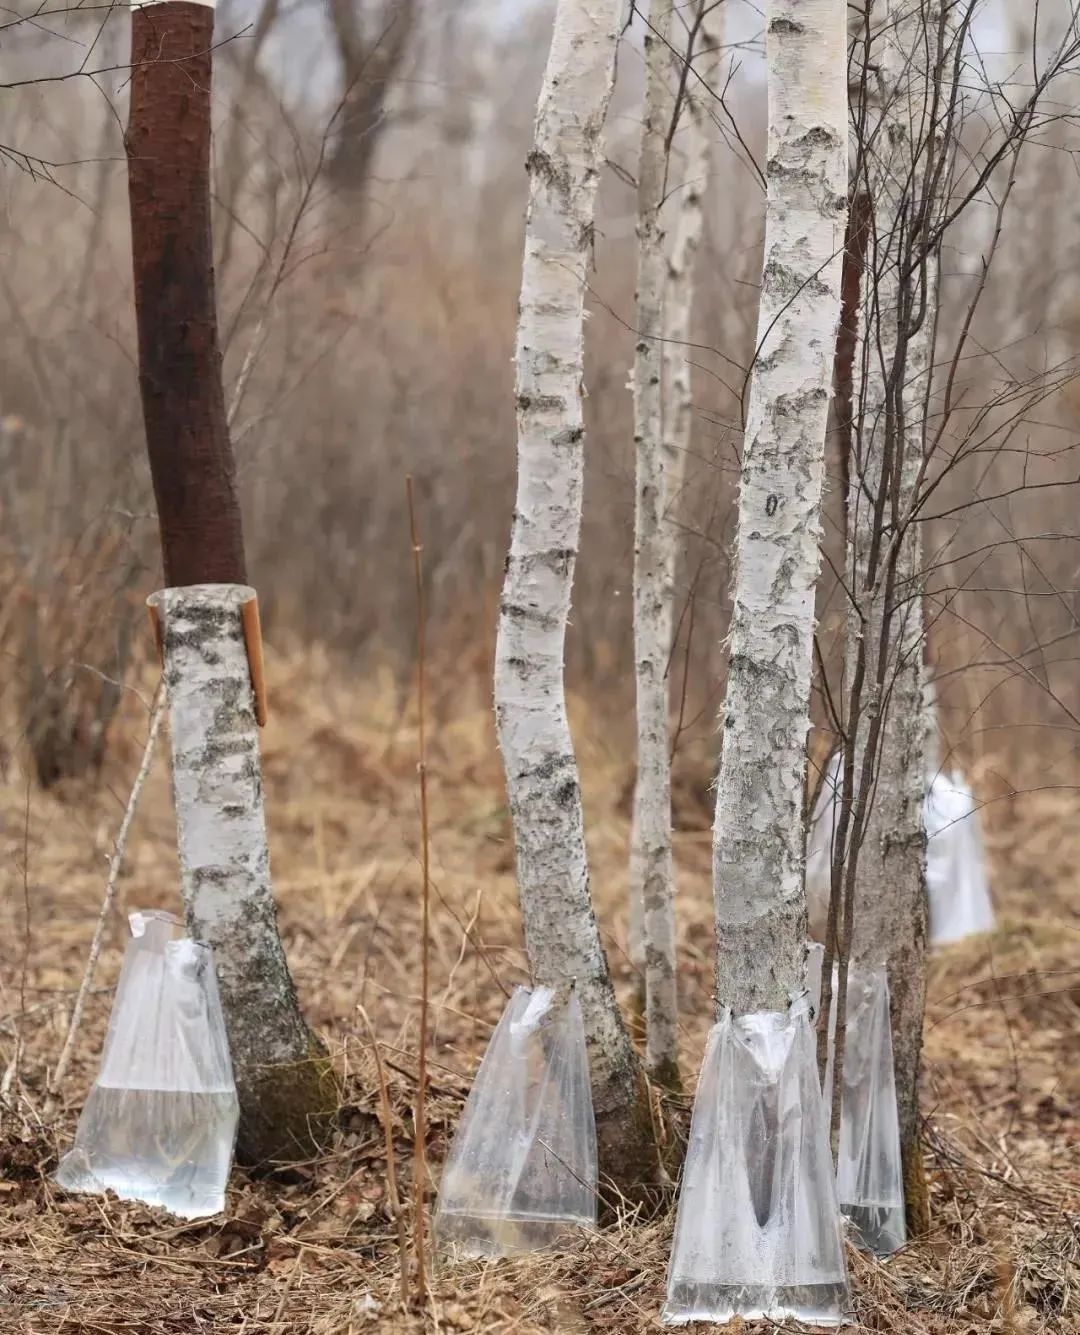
{"x":522,"y":1166}
{"x":758,"y":1231}
{"x":955,"y":863}
{"x":160,"y":1121}
{"x":956,"y":881}
{"x":869,"y":1173}
{"x":819,"y":846}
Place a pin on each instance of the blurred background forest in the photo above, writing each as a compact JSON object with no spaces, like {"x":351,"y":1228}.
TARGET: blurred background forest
{"x":369,"y":196}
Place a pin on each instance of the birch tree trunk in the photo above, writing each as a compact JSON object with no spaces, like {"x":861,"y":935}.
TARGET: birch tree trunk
{"x":651,"y":852}
{"x":561,"y":935}
{"x":659,"y":540}
{"x":758,"y":846}
{"x":902,"y":159}
{"x":678,"y":414}
{"x":283,"y":1076}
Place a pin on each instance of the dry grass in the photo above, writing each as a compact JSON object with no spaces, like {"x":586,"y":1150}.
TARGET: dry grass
{"x":387,"y":350}
{"x":314,"y":1249}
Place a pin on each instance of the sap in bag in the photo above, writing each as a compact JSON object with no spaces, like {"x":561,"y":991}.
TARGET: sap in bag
{"x":758,"y":1231}
{"x":956,"y":878}
{"x":869,"y":1173}
{"x":955,"y":863}
{"x":522,"y":1168}
{"x":160,"y":1121}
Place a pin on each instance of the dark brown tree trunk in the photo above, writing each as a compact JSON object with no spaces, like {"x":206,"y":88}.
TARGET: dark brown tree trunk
{"x":187,"y":435}
{"x":847,"y":335}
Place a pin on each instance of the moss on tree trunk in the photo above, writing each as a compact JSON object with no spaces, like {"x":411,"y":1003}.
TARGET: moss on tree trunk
{"x":286,"y":1110}
{"x":628,"y":1150}
{"x":916,"y":1189}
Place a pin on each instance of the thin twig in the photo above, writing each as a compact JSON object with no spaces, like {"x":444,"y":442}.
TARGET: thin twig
{"x":420,"y":1115}
{"x":391,"y":1163}
{"x":12,"y":1072}
{"x":157,"y":712}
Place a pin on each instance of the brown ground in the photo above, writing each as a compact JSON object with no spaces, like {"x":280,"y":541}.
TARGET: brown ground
{"x":314,"y":1249}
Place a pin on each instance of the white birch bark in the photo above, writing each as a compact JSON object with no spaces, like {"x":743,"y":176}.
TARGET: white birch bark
{"x":657,"y":550}
{"x":758,"y":848}
{"x":651,"y":853}
{"x":678,"y":404}
{"x":679,"y":295}
{"x":224,"y":860}
{"x":891,"y":909}
{"x":561,"y":935}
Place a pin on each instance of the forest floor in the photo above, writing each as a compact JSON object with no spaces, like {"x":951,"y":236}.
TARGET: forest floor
{"x":314,"y":1248}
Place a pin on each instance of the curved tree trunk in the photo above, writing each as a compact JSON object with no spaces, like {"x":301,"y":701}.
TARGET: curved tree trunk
{"x":283,"y":1076}
{"x":561,"y":935}
{"x":758,"y":849}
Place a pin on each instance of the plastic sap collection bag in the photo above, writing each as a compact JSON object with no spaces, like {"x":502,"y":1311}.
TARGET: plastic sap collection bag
{"x":160,"y":1121}
{"x":869,"y":1172}
{"x":955,"y":863}
{"x":758,"y":1232}
{"x":819,"y":842}
{"x":522,"y":1166}
{"x":956,"y":879}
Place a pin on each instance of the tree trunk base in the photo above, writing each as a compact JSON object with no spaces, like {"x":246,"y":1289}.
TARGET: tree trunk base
{"x":632,"y":1140}
{"x":287,"y":1111}
{"x":916,"y":1190}
{"x":667,"y":1078}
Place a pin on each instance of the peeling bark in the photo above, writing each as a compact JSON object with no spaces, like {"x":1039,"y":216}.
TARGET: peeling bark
{"x":758,"y":849}
{"x":561,"y":935}
{"x":847,"y":337}
{"x":283,"y":1075}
